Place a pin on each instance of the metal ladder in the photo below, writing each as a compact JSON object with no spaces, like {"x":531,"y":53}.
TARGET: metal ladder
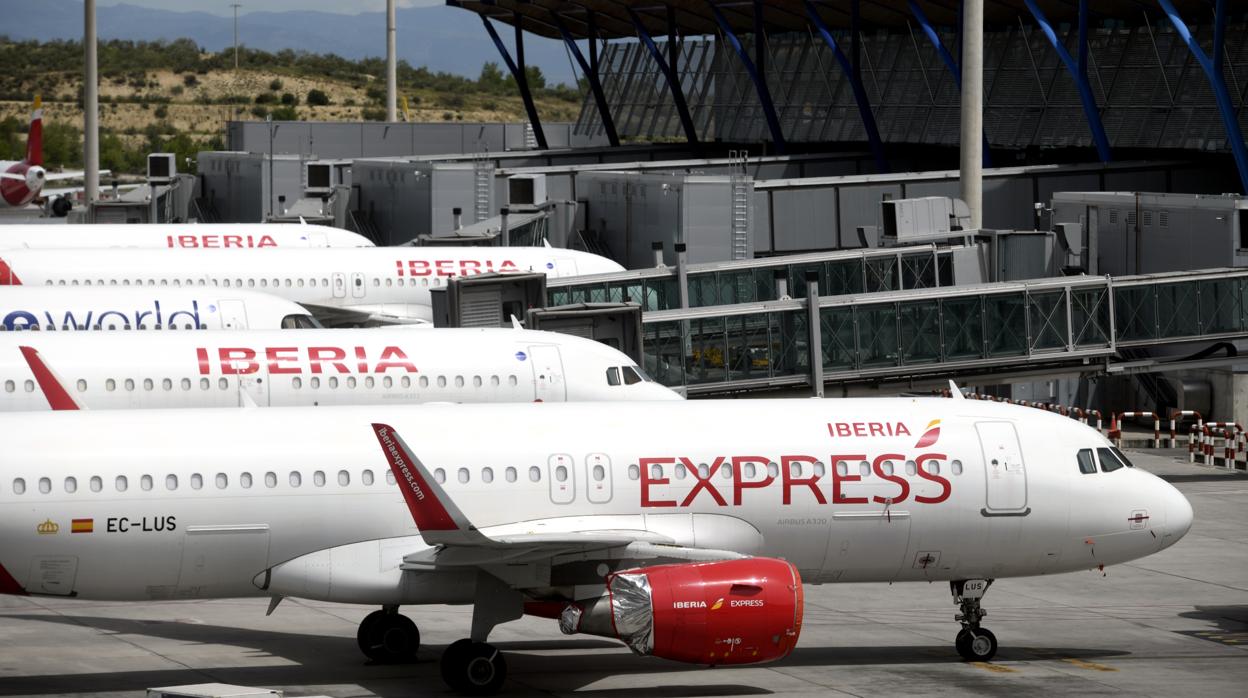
{"x":742,"y":206}
{"x":483,"y":180}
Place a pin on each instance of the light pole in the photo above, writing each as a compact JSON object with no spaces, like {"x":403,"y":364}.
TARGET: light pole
{"x":90,"y":108}
{"x":272,"y":128}
{"x":236,"y":6}
{"x":972,"y":126}
{"x":391,"y":77}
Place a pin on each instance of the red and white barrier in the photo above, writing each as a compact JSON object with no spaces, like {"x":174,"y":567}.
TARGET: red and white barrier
{"x":1174,"y":418}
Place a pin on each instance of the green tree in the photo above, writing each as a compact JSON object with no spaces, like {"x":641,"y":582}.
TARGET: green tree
{"x":289,"y":99}
{"x":317,"y":98}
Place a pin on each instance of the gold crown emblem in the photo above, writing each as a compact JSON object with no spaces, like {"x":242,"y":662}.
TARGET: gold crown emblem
{"x":47,"y":527}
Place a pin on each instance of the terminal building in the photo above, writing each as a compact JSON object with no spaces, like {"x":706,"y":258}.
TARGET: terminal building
{"x":781,"y":179}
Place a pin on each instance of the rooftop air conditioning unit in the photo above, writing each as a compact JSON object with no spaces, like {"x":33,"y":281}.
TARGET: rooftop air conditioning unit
{"x":318,"y":177}
{"x":526,"y":191}
{"x":161,"y":168}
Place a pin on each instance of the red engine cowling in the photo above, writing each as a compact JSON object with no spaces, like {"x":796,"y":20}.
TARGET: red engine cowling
{"x":730,"y":612}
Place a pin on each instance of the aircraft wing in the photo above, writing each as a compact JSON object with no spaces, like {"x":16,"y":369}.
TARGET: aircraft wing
{"x":57,"y":176}
{"x":331,"y":316}
{"x":458,"y":543}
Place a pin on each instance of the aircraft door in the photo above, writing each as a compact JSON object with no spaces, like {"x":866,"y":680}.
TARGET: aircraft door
{"x":598,"y":478}
{"x":340,"y":285}
{"x":548,"y":385}
{"x":221,"y":561}
{"x":357,"y":285}
{"x":564,"y":266}
{"x":252,"y":387}
{"x":317,"y":240}
{"x":1004,"y":470}
{"x":561,"y":472}
{"x":233,"y":314}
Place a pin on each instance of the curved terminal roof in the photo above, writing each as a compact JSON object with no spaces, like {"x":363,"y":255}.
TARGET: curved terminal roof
{"x":693,"y":17}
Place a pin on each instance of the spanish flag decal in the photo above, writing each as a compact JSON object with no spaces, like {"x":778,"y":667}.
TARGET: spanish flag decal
{"x":930,"y":435}
{"x":82,"y":526}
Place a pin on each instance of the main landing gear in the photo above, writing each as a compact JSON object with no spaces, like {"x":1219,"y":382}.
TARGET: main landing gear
{"x":974,"y":644}
{"x":387,"y":637}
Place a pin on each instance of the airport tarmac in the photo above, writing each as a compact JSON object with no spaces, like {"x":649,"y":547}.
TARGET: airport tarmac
{"x":1172,"y":624}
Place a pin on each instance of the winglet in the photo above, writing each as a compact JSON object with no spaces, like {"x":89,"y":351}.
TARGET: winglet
{"x":437,"y":517}
{"x":58,"y":397}
{"x":954,"y":391}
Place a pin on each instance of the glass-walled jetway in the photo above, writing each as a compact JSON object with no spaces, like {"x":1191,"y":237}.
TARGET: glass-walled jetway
{"x":757,"y":280}
{"x":1052,"y":323}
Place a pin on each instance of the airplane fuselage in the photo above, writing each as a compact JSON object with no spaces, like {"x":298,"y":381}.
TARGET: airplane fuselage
{"x":206,"y":504}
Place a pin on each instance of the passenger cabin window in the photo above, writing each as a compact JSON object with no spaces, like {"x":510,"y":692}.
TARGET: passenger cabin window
{"x":1109,"y":461}
{"x":1087,"y":464}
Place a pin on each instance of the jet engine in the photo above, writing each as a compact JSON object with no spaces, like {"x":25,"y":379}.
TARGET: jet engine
{"x":57,"y":207}
{"x":729,"y":612}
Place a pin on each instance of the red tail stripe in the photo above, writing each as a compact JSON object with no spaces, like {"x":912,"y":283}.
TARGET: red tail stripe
{"x":422,"y":501}
{"x":7,"y":277}
{"x":58,"y":397}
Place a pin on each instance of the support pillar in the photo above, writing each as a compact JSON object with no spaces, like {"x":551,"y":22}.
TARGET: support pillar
{"x":1078,"y":71}
{"x":669,"y":74}
{"x":815,"y":327}
{"x":517,"y":73}
{"x":947,"y":58}
{"x":971,"y":161}
{"x":855,"y":83}
{"x":1212,"y":66}
{"x":590,"y":70}
{"x":760,"y":82}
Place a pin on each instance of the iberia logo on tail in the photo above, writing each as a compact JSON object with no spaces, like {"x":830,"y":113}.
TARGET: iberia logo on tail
{"x":930,"y":434}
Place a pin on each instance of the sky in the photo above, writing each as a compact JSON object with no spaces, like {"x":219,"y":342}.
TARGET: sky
{"x":222,"y":7}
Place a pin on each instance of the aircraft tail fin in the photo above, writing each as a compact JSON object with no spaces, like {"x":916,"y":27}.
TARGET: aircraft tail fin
{"x":437,"y":517}
{"x":34,"y":139}
{"x":51,"y":385}
{"x":954,"y":391}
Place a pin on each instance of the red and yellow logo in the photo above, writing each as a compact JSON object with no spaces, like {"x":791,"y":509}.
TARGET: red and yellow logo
{"x":930,"y":434}
{"x":82,"y":526}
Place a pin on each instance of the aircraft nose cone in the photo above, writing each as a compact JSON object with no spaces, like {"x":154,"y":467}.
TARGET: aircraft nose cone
{"x":1178,"y":516}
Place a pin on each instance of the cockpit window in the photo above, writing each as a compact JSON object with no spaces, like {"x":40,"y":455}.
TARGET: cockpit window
{"x":613,"y":376}
{"x":1123,"y":457}
{"x":1087,"y":464}
{"x":1109,"y":461}
{"x":299,"y":322}
{"x":631,"y":376}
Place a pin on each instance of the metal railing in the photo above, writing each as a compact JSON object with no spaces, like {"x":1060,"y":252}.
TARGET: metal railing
{"x":751,"y":281}
{"x":899,"y":334}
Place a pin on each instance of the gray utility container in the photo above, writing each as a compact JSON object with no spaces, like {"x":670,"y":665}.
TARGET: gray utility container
{"x":240,"y":189}
{"x":402,"y":199}
{"x":1142,"y":233}
{"x":713,"y":215}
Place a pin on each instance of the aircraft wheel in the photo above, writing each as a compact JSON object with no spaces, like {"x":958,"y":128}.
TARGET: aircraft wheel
{"x":978,"y":645}
{"x":388,"y":637}
{"x":473,"y":668}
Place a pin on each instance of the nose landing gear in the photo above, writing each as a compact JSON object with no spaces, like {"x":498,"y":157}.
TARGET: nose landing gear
{"x":388,"y":637}
{"x":974,"y":644}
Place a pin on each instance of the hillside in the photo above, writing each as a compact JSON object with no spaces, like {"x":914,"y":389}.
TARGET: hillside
{"x":158,"y":96}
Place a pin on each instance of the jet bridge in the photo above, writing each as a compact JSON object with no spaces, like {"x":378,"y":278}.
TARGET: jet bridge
{"x":925,"y":335}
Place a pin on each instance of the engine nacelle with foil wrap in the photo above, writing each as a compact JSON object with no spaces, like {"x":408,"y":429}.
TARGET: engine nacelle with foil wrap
{"x":727,"y":612}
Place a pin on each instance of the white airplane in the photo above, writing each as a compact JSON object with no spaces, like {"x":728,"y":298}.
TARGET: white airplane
{"x":685,"y":529}
{"x":162,"y":235}
{"x":127,"y":370}
{"x":342,"y":286}
{"x":22,"y":181}
{"x":72,"y":308}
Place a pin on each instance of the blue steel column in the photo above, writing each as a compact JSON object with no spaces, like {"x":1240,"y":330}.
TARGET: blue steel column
{"x":517,"y":73}
{"x":669,"y":74}
{"x":946,"y":57}
{"x":760,"y":83}
{"x":590,"y":70}
{"x":1213,"y":71}
{"x":1090,"y":109}
{"x":860,"y":93}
